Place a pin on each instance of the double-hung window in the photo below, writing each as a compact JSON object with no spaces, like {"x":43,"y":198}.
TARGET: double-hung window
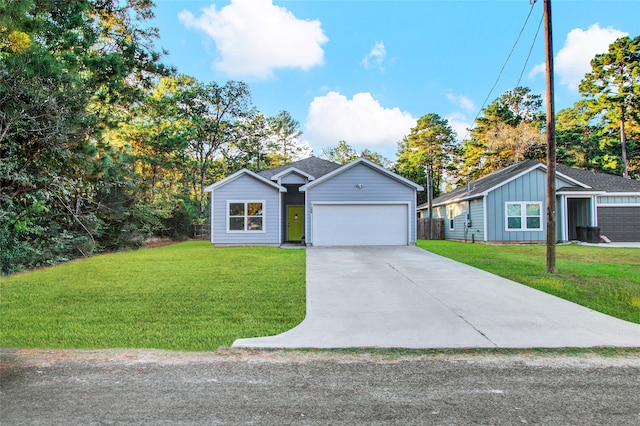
{"x":525,"y":216}
{"x":245,"y":216}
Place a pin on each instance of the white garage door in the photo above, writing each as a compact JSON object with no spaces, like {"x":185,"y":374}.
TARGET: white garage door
{"x":360,"y":224}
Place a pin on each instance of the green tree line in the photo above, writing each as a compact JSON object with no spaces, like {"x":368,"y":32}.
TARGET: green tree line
{"x":600,"y":132}
{"x":101,"y":145}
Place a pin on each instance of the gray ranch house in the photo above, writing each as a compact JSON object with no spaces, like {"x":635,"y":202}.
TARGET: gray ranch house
{"x":316,"y":202}
{"x":509,"y":206}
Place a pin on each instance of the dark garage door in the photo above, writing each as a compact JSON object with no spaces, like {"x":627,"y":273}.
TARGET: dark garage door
{"x":619,"y":223}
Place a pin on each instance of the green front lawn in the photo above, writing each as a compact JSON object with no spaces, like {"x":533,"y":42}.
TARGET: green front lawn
{"x":601,"y":278}
{"x":188,"y":296}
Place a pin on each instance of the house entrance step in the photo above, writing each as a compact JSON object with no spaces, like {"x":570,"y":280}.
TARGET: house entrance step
{"x":293,"y":245}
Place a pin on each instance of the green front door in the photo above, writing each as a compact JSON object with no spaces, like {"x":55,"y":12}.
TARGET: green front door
{"x":295,"y":223}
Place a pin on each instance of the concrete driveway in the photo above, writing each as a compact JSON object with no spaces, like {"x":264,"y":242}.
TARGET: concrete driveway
{"x":408,"y":297}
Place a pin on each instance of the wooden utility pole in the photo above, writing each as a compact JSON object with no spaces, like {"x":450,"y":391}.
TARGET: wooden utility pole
{"x":430,"y":199}
{"x":551,"y":144}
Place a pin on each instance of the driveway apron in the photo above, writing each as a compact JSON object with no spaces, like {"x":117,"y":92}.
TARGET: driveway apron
{"x":408,"y":297}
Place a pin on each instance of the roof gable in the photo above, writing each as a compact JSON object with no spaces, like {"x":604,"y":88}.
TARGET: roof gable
{"x":238,"y":174}
{"x":291,"y":170}
{"x":367,"y":163}
{"x":485,"y":184}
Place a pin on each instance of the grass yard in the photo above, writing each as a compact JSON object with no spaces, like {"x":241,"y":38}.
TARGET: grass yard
{"x":187,"y":296}
{"x":603,"y":279}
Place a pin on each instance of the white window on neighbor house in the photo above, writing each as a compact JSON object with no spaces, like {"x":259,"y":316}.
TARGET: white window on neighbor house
{"x":451,"y":216}
{"x":245,"y":216}
{"x":524,"y":216}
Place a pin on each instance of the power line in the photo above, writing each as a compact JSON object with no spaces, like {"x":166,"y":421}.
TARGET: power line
{"x":530,"y":50}
{"x":533,"y":3}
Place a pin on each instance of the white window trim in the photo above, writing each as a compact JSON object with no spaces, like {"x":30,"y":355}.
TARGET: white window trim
{"x":523,"y":216}
{"x":246,"y":202}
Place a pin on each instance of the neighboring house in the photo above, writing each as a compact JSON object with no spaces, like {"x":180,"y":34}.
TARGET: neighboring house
{"x":509,"y":205}
{"x":316,"y":202}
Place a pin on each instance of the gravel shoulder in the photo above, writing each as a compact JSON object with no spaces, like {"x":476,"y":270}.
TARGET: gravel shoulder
{"x":18,"y":357}
{"x":232,"y":386}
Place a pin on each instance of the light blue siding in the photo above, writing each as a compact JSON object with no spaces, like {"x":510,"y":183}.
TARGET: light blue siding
{"x":293,"y":178}
{"x":459,"y":213}
{"x":245,"y":188}
{"x":375,"y":187}
{"x":530,"y":187}
{"x":619,"y":199}
{"x":561,"y":183}
{"x":460,"y":231}
{"x":477,"y":221}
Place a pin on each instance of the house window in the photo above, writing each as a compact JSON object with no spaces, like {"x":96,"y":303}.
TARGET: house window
{"x":245,"y":216}
{"x":524,"y":216}
{"x":451,"y":216}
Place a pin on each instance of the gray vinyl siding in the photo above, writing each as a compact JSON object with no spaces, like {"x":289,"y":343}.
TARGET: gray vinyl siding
{"x":376,"y":187}
{"x":477,"y":221}
{"x":460,"y":211}
{"x":530,"y":187}
{"x":293,"y":178}
{"x":460,"y":230}
{"x":245,"y":188}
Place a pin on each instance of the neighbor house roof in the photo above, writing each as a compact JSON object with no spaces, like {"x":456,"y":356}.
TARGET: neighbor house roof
{"x":479,"y":187}
{"x":601,"y":181}
{"x":312,"y":166}
{"x":582,"y":181}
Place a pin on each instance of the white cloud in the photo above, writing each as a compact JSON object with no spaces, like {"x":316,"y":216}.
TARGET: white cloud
{"x":254,"y":37}
{"x":459,"y":123}
{"x":376,"y":56}
{"x":573,"y":61}
{"x":462,"y":101}
{"x":361,"y":121}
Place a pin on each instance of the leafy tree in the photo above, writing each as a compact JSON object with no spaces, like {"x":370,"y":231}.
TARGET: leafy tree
{"x":376,"y":157}
{"x":430,"y":148}
{"x":249,"y":146}
{"x":64,"y":68}
{"x":344,"y":153}
{"x":508,"y":132}
{"x":284,"y":146}
{"x":213,"y":111}
{"x":577,"y":138}
{"x":157,"y":135}
{"x":614,"y":87}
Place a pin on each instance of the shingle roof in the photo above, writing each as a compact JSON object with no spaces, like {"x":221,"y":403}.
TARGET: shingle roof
{"x":601,"y":181}
{"x":476,"y":188}
{"x":596,"y":182}
{"x":314,"y":166}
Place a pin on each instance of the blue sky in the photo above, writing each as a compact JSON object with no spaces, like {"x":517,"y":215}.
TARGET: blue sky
{"x":364,"y":71}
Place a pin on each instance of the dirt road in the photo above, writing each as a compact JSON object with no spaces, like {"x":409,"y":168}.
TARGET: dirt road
{"x":314,"y":388}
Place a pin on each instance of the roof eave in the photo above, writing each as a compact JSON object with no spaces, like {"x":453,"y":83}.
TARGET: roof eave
{"x":239,"y":174}
{"x":367,"y":163}
{"x":292,"y":170}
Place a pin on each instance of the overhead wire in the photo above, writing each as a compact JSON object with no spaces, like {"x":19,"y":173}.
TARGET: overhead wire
{"x":533,"y":43}
{"x":533,"y":3}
